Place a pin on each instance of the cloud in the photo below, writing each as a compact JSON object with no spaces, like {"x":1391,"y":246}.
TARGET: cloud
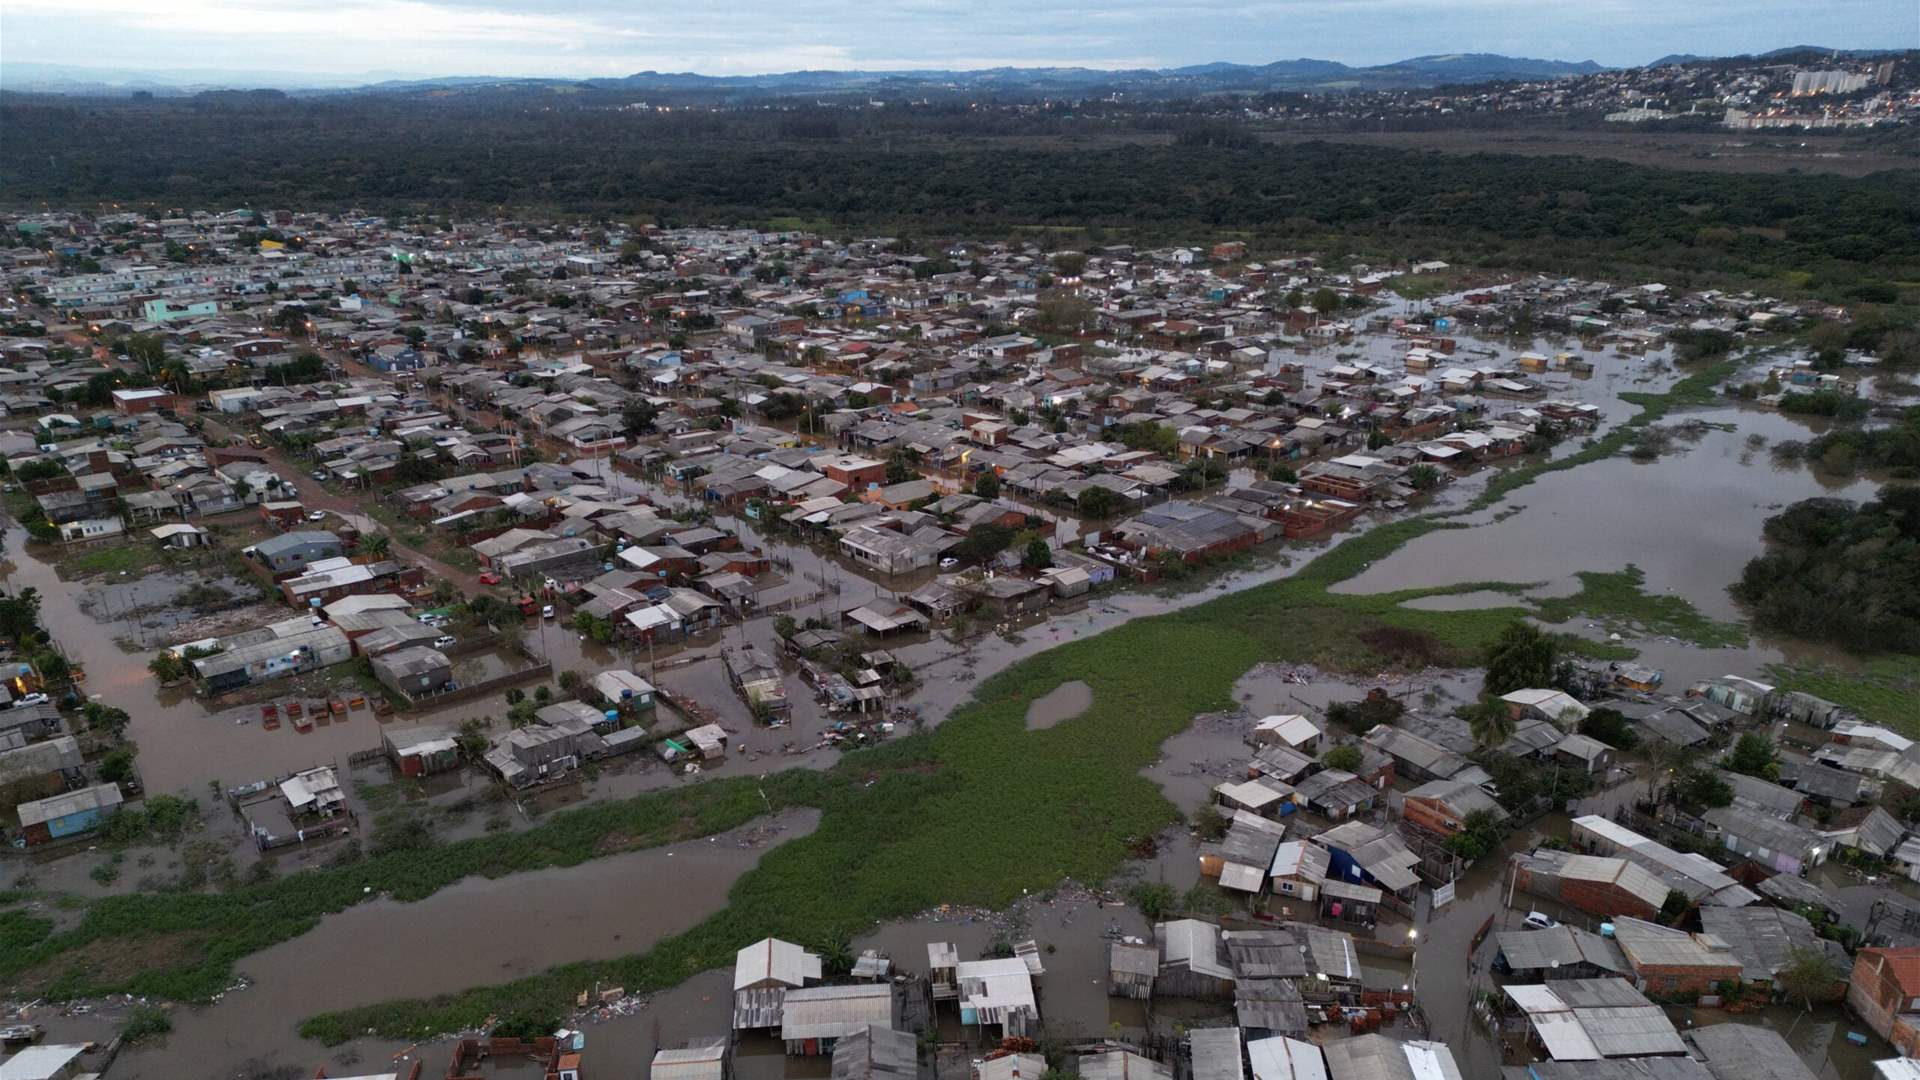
{"x":610,"y":37}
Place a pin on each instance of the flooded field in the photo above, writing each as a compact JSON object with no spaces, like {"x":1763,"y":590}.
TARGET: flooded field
{"x":476,"y":932}
{"x":1064,"y":702}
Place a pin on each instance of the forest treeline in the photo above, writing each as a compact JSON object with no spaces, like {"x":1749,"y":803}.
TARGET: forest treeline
{"x":943,"y":172}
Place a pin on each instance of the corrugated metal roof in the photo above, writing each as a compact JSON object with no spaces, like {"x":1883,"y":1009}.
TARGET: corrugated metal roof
{"x":1282,"y":1058}
{"x":834,"y":1012}
{"x":1748,"y":1052}
{"x":1216,"y":1053}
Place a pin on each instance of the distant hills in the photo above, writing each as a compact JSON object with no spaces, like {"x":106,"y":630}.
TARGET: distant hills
{"x":1303,"y":74}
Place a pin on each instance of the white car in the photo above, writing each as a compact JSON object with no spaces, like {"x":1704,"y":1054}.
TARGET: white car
{"x":1538,"y":921}
{"x":546,"y":611}
{"x":33,"y":699}
{"x":445,"y":641}
{"x":949,"y":563}
{"x":316,"y":515}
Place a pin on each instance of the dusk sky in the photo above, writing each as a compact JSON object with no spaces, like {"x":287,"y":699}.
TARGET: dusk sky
{"x":403,"y":38}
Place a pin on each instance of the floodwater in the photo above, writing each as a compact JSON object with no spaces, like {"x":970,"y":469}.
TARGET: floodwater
{"x":1063,"y":702}
{"x":475,"y":932}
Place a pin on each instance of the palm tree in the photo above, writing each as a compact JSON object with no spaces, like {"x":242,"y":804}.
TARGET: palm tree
{"x":1490,"y":722}
{"x":378,"y":545}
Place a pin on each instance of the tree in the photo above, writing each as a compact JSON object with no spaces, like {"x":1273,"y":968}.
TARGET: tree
{"x":1811,"y":974}
{"x":1325,"y":300}
{"x":1490,"y":721}
{"x":1345,"y":757}
{"x":117,"y":766}
{"x":1675,"y":906}
{"x":1753,"y":756}
{"x":1423,"y":477}
{"x":1702,"y":789}
{"x":983,"y":543}
{"x":1038,"y":555}
{"x":377,"y":545}
{"x":1521,"y":658}
{"x":1210,"y":823}
{"x":1363,"y":716}
{"x":1155,"y":899}
{"x":20,"y":613}
{"x":1096,"y":502}
{"x":987,"y":485}
{"x":1479,"y":834}
{"x":902,"y":465}
{"x":1610,"y":726}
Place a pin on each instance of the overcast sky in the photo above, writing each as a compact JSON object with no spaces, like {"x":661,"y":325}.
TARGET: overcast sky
{"x":730,"y":37}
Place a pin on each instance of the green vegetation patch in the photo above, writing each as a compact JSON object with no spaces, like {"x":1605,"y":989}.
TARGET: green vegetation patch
{"x":1886,"y":690}
{"x":1620,"y":602}
{"x":113,"y":559}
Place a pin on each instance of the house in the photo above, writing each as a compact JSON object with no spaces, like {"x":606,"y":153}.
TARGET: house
{"x":1291,"y":730}
{"x":1601,"y":886}
{"x":1193,"y":960}
{"x":1562,"y":952}
{"x":1132,"y":965}
{"x":313,"y":792}
{"x":1010,"y":1067}
{"x":1747,"y":1052}
{"x":1672,"y":962}
{"x":763,"y":972}
{"x":413,"y":672}
{"x":624,"y":690}
{"x":49,"y":1061}
{"x":72,"y":814}
{"x":1362,"y":853}
{"x":709,"y":1058}
{"x":1441,"y":807}
{"x":1284,"y":1058}
{"x":1556,"y":707}
{"x":1215,"y":1054}
{"x":814,"y":1019}
{"x":998,"y":993}
{"x":540,"y":751}
{"x":420,"y":751}
{"x":1775,"y":844}
{"x":1593,"y":1019}
{"x":289,"y":553}
{"x":275,"y":655}
{"x":1763,"y":939}
{"x":1700,"y":878}
{"x":1375,"y":1057}
{"x":1120,"y":1064}
{"x":876,"y":1053}
{"x":1299,"y":870}
{"x":1884,"y":989}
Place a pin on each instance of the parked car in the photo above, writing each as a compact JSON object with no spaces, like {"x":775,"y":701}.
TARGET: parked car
{"x":949,"y":563}
{"x":318,"y":474}
{"x":488,"y":577}
{"x":31,"y":699}
{"x":316,"y":515}
{"x":546,"y":611}
{"x":1538,"y":921}
{"x":445,"y":641}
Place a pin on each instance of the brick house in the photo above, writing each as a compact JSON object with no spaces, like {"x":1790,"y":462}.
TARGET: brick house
{"x":1885,"y":990}
{"x":1599,"y":886}
{"x":1441,"y":807}
{"x":1674,"y":963}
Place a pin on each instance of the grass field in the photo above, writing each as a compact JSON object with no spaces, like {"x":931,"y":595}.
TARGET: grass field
{"x":1618,"y":602}
{"x":1886,"y":691}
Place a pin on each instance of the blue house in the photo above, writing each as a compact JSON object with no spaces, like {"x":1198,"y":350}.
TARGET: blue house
{"x":71,"y":814}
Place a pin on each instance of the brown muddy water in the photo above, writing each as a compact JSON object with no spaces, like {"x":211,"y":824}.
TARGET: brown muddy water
{"x":475,"y":932}
{"x":1063,"y":702}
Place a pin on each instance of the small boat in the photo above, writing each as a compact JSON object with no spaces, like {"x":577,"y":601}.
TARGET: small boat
{"x":20,"y":1034}
{"x":269,"y":711}
{"x":339,"y":706}
{"x":303,"y":724}
{"x":382,"y":707}
{"x":357,"y":702}
{"x":293,"y":708}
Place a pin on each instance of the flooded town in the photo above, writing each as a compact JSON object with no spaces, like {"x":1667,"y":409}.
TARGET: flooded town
{"x":461,"y":644}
